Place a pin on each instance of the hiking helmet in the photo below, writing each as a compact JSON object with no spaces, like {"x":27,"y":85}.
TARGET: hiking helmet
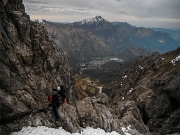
{"x":58,"y":88}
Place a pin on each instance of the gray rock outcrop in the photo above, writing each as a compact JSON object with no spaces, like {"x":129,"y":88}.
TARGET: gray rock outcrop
{"x":153,"y":83}
{"x":30,"y":66}
{"x":92,"y":112}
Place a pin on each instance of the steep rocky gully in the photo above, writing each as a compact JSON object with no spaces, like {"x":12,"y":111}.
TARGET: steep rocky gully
{"x":31,"y":65}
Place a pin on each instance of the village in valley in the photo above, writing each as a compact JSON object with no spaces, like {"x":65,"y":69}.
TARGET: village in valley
{"x":97,"y":62}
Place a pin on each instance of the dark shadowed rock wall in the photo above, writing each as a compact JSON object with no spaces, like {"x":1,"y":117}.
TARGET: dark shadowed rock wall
{"x":30,"y":66}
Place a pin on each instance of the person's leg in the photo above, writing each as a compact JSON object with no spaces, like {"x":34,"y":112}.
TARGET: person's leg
{"x":55,"y":110}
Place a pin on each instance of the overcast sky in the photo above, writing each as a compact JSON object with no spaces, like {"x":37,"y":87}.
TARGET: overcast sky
{"x":146,"y":13}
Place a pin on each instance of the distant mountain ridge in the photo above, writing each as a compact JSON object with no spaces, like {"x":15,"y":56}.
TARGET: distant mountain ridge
{"x":93,"y":24}
{"x":97,"y":37}
{"x":81,"y":45}
{"x":119,"y":35}
{"x":90,"y":21}
{"x":175,"y":34}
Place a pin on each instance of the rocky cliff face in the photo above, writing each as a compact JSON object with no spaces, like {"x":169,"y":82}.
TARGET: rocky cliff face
{"x":153,"y":83}
{"x":30,"y":66}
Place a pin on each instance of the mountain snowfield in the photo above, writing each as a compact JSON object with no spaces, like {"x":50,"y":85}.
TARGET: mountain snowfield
{"x":175,"y":60}
{"x":90,"y":21}
{"x":42,"y":130}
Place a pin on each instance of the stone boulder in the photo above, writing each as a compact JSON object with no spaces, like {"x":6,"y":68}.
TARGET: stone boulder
{"x":92,"y":112}
{"x":95,"y":112}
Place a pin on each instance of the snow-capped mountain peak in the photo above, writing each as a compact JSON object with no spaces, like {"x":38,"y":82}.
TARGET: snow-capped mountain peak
{"x":91,"y":21}
{"x":96,"y":20}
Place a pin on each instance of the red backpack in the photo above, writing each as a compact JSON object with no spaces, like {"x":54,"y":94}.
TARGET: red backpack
{"x":50,"y":98}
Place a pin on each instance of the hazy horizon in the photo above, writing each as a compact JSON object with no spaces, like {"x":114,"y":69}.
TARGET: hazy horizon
{"x":150,"y":13}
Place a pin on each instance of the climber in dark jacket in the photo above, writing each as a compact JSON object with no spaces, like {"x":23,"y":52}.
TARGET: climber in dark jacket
{"x":61,"y":91}
{"x":54,"y":101}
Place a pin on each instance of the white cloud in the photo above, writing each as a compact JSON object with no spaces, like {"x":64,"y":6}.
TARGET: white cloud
{"x":157,"y":13}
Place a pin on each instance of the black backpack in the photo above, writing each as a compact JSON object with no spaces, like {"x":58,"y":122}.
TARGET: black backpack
{"x":55,"y":101}
{"x":63,"y":91}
